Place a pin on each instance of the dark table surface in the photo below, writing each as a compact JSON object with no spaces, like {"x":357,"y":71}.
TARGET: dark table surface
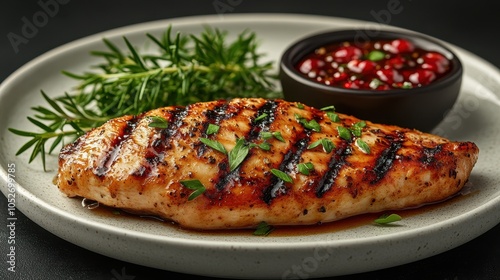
{"x":471,"y":25}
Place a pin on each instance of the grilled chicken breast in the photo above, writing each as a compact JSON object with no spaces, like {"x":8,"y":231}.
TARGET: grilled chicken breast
{"x":254,"y":160}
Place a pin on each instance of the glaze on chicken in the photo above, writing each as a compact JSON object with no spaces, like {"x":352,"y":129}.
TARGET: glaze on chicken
{"x":129,"y":164}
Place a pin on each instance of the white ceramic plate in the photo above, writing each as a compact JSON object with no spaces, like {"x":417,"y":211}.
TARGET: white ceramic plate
{"x":367,"y":247}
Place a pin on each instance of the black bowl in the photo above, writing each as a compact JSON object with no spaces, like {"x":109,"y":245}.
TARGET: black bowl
{"x":421,"y":108}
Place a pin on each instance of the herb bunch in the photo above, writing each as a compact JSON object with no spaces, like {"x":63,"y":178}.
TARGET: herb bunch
{"x":184,"y":70}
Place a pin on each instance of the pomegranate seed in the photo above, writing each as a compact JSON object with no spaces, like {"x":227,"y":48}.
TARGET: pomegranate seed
{"x":361,"y":66}
{"x":350,"y":84}
{"x":435,"y":57}
{"x":384,"y":87}
{"x":422,"y":77}
{"x":397,"y":62}
{"x":399,"y":46}
{"x":435,"y":62}
{"x":340,"y":76}
{"x":336,"y":78}
{"x":312,"y":74}
{"x":354,"y":84}
{"x":389,"y":75}
{"x":347,"y":53}
{"x":404,"y":84}
{"x":311,"y":64}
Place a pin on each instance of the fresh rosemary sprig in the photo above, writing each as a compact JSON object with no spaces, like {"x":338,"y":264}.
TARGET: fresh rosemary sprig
{"x":185,"y":69}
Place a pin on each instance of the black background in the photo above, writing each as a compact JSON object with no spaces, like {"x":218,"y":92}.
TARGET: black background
{"x":471,"y":25}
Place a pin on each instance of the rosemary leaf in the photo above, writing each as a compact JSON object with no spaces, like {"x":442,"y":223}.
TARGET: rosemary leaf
{"x":178,"y":69}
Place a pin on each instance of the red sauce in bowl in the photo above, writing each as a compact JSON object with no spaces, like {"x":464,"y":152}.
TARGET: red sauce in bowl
{"x":374,"y":65}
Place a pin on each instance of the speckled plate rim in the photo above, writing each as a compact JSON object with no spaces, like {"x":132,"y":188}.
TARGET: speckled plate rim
{"x":36,"y":208}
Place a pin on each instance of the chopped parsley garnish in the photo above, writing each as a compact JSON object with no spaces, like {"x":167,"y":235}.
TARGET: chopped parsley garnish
{"x":357,"y":128}
{"x":312,"y":124}
{"x":278,"y":136}
{"x":328,"y":108}
{"x":354,"y":130}
{"x":305,"y":168}
{"x":327,"y":144}
{"x":375,"y":55}
{"x":212,"y":129}
{"x":363,"y":146}
{"x":407,"y":85}
{"x":195,"y":185}
{"x":333,"y":116}
{"x":238,"y":154}
{"x":330,"y":113}
{"x":375,"y":83}
{"x":263,"y":146}
{"x":344,"y":133}
{"x":260,"y":117}
{"x":216,"y":145}
{"x":157,"y":122}
{"x":282,"y":175}
{"x":266,"y":135}
{"x":263,"y":229}
{"x":386,"y":219}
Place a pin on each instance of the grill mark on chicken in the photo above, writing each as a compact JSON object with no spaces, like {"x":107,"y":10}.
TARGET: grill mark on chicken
{"x":269,"y":108}
{"x":226,"y":178}
{"x":336,"y":163}
{"x":73,"y":147}
{"x":290,"y":160}
{"x":214,"y":116}
{"x":156,"y":151}
{"x":174,"y":123}
{"x":385,"y":160}
{"x":429,"y":154}
{"x":114,"y":148}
